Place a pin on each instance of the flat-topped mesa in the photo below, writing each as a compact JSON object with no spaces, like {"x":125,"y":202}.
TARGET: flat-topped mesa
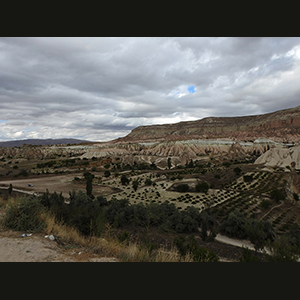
{"x":281,"y":126}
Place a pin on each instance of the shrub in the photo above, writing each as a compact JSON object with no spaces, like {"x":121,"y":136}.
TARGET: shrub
{"x":135,"y":184}
{"x":234,"y":225}
{"x":148,"y":181}
{"x":226,"y":164}
{"x":124,"y":180}
{"x":179,"y":242}
{"x":277,"y":195}
{"x":259,"y":232}
{"x":202,"y":254}
{"x":248,"y":178}
{"x":25,"y":214}
{"x":182,"y":188}
{"x":237,"y":171}
{"x":265,"y":204}
{"x":208,"y":223}
{"x":282,"y":251}
{"x":123,"y":236}
{"x":106,"y":173}
{"x":202,"y":187}
{"x":23,"y":172}
{"x":248,"y":257}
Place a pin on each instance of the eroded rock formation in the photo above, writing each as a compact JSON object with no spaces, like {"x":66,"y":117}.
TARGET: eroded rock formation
{"x":293,"y":185}
{"x":280,"y":157}
{"x":213,"y":137}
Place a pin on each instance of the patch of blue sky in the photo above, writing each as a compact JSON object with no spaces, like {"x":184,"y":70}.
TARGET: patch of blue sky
{"x":191,"y":89}
{"x":182,"y":91}
{"x":3,"y":121}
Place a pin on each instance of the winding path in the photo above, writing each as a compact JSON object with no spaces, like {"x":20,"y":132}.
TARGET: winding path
{"x":271,"y":210}
{"x":17,"y":190}
{"x":237,"y":242}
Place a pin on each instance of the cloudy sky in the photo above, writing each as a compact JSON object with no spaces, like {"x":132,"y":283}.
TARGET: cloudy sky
{"x":99,"y":89}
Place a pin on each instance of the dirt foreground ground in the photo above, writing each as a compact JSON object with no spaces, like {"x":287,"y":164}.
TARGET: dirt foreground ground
{"x":37,"y":248}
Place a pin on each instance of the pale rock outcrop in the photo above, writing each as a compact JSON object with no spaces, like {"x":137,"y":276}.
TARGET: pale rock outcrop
{"x":280,"y":157}
{"x":292,"y":187}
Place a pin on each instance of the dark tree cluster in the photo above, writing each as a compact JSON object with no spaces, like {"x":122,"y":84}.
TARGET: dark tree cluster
{"x":89,"y":215}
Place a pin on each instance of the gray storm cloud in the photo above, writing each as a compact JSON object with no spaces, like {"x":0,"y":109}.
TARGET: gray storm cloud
{"x":101,"y":88}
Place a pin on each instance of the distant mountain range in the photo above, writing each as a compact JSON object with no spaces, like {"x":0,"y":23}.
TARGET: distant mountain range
{"x":19,"y":143}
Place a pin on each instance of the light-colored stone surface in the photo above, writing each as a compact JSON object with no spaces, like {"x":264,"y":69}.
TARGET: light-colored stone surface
{"x":280,"y":157}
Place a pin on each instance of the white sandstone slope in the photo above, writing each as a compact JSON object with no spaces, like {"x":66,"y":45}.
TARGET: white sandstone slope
{"x":280,"y":157}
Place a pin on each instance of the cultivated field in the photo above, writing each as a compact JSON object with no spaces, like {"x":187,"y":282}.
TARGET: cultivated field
{"x":229,"y":190}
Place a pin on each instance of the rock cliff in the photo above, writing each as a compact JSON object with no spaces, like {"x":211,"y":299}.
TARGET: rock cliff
{"x":281,"y":126}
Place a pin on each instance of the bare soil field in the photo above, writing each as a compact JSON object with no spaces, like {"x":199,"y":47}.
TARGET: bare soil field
{"x":55,"y":183}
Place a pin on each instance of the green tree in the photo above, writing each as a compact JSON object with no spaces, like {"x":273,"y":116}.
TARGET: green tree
{"x":169,"y":163}
{"x":234,"y":225}
{"x":25,"y":214}
{"x":191,"y":164}
{"x":135,"y":184}
{"x":106,"y":174}
{"x":248,"y":257}
{"x":89,"y":183}
{"x":10,"y":189}
{"x":148,"y":181}
{"x":259,"y":232}
{"x":248,"y":178}
{"x":208,"y":223}
{"x":124,"y":180}
{"x":179,"y":241}
{"x":277,"y":195}
{"x":202,"y":187}
{"x":265,"y":204}
{"x":282,"y":251}
{"x":237,"y":171}
{"x":100,"y":223}
{"x":182,"y":188}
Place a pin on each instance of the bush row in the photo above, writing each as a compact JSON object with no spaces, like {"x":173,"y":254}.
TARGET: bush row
{"x":90,"y":216}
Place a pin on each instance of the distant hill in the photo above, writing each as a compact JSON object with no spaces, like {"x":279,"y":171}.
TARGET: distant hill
{"x":280,"y":126}
{"x":19,"y":143}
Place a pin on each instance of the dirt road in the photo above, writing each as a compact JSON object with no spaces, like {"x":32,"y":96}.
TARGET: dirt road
{"x":59,"y":183}
{"x":18,"y":190}
{"x":235,"y":242}
{"x":55,"y":183}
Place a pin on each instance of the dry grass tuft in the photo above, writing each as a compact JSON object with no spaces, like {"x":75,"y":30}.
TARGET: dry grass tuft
{"x":171,"y":256}
{"x":2,"y":202}
{"x":135,"y":253}
{"x":65,"y":233}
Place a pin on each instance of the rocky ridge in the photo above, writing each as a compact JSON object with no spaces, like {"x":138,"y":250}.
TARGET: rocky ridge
{"x":281,"y":126}
{"x":223,"y":137}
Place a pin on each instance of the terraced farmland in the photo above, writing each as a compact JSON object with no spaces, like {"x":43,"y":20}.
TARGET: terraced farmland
{"x":245,"y":194}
